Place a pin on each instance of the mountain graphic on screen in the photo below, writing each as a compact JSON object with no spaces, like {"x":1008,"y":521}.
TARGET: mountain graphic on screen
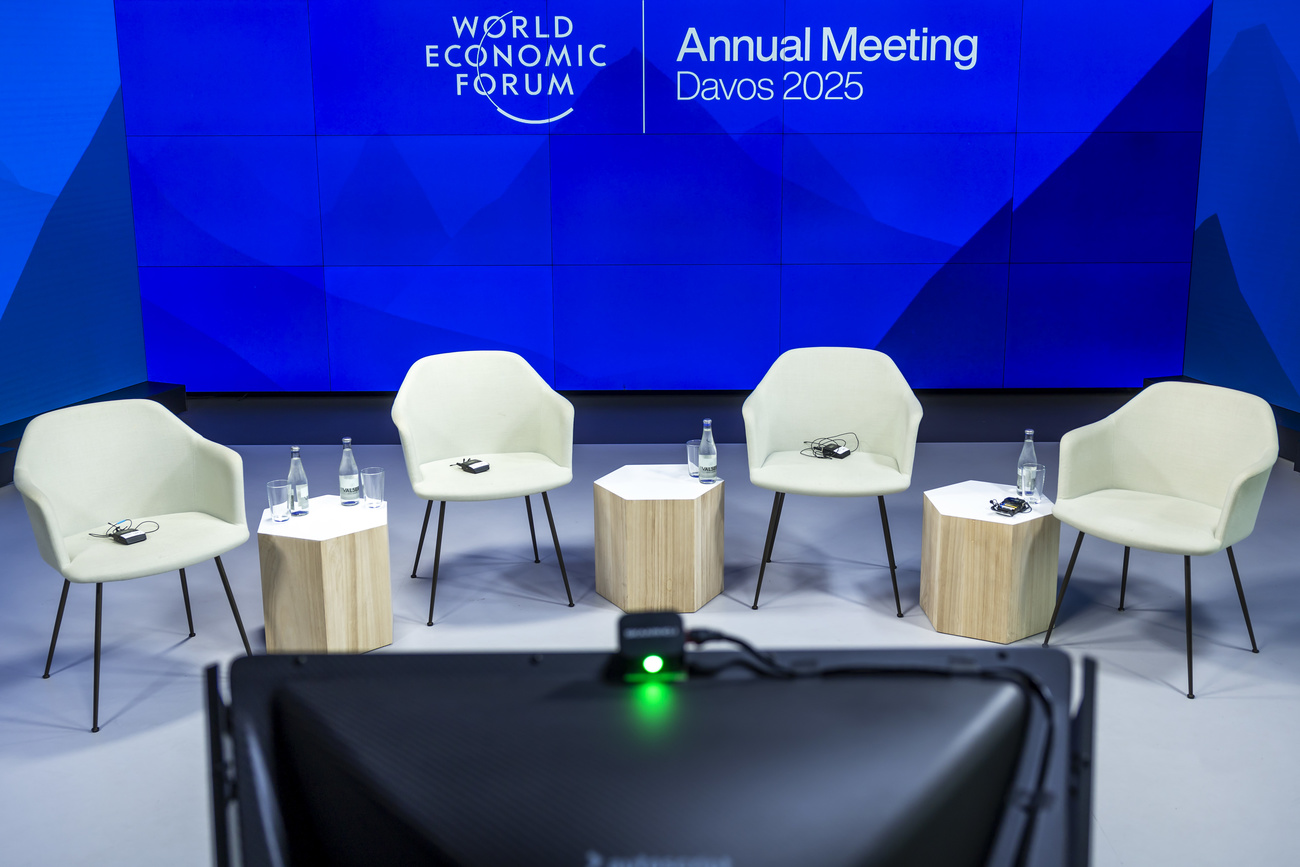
{"x":1246,"y":249}
{"x":214,"y":200}
{"x":159,"y":217}
{"x":513,"y":229}
{"x":22,"y":211}
{"x":1225,"y":343}
{"x":76,"y":306}
{"x":381,"y":216}
{"x":936,"y":348}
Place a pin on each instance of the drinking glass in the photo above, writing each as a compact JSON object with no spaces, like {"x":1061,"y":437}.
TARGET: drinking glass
{"x":277,"y":493}
{"x":1031,"y":487}
{"x":372,"y":486}
{"x":693,"y":458}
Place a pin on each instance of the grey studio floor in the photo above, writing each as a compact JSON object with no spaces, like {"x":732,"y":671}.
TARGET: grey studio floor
{"x":1212,"y":781}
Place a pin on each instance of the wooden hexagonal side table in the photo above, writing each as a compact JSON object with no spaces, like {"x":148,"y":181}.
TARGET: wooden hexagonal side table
{"x":325,"y":579}
{"x":658,"y":538}
{"x":984,"y":575}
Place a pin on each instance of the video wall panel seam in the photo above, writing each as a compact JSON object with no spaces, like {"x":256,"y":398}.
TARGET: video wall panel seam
{"x":330,"y":331}
{"x":1006,"y":327}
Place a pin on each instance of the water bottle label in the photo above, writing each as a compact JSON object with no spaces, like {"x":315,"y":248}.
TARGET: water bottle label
{"x":350,"y":488}
{"x":299,"y":501}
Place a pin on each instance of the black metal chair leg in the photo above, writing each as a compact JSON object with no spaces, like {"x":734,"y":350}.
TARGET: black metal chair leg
{"x":780,"y":507}
{"x":58,"y":619}
{"x":1123,"y":579}
{"x":1066,"y":583}
{"x":555,"y":538}
{"x":767,"y":546}
{"x":437,"y":552}
{"x":1232,"y":561}
{"x":528,"y":504}
{"x":424,"y":528}
{"x":185,"y":591}
{"x":234,"y":609}
{"x":99,"y":611}
{"x":889,"y":550}
{"x":1187,"y":588}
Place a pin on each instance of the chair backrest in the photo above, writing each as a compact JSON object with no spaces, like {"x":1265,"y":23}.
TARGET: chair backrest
{"x":827,"y":390}
{"x":105,"y":461}
{"x":1185,"y":439}
{"x":480,"y":402}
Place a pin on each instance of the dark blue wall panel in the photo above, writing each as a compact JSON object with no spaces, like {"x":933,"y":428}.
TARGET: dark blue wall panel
{"x":664,"y":199}
{"x":1120,"y":197}
{"x":216,"y":67}
{"x":1081,"y":58}
{"x":868,"y":299}
{"x":421,"y":200}
{"x":951,"y":333}
{"x":226,"y":200}
{"x":236,"y":329}
{"x":665,"y":327}
{"x":1095,"y":325}
{"x":384,"y":319}
{"x":893,"y":198}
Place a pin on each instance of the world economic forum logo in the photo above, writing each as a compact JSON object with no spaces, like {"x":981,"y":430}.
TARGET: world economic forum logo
{"x":521,"y":65}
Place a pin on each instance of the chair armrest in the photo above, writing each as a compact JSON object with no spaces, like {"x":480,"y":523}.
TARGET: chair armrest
{"x":405,"y":434}
{"x":1087,"y":462}
{"x":219,"y":481}
{"x":757,"y":442}
{"x":45,"y":521}
{"x":403,"y":424}
{"x":1241,"y":505}
{"x":911,"y":424}
{"x":555,"y":429}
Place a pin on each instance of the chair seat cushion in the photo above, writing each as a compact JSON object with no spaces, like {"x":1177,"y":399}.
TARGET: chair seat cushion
{"x":514,"y":474}
{"x":182,"y":539}
{"x":1152,"y":522}
{"x":861,"y":474}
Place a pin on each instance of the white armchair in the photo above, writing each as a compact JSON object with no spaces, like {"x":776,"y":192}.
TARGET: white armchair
{"x":823,"y":391}
{"x":80,"y":468}
{"x":1180,"y":469}
{"x":492,"y":406}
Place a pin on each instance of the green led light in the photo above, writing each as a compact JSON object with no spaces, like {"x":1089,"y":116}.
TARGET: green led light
{"x":653,"y":663}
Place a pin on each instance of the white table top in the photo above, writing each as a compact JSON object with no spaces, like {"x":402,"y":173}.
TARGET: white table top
{"x":327,"y":518}
{"x":654,"y":482}
{"x":971,"y":500}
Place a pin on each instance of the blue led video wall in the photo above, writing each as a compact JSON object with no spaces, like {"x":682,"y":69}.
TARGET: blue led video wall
{"x":663,"y":195}
{"x":1243,"y":327}
{"x":69,"y":297}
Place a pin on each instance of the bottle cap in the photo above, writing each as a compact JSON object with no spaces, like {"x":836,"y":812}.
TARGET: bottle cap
{"x":708,"y":421}
{"x":1029,"y":431}
{"x":347,"y":441}
{"x":293,"y":449}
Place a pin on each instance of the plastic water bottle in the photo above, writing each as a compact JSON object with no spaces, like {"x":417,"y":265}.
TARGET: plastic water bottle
{"x":299,"y":503}
{"x":708,"y":455}
{"x":349,"y":477}
{"x":1025,"y":477}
